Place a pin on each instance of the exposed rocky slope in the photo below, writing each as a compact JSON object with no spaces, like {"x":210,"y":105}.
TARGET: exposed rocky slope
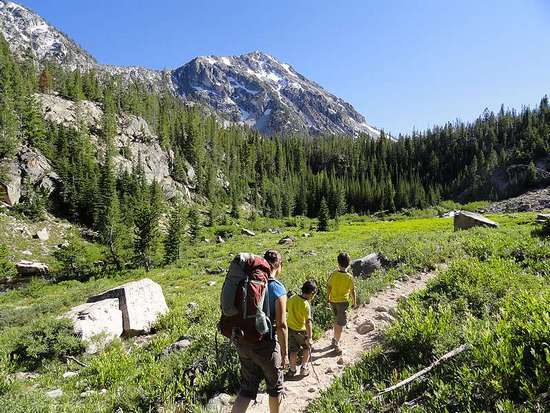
{"x":253,"y":89}
{"x":258,"y":90}
{"x":31,"y":36}
{"x":538,"y":200}
{"x":134,"y":142}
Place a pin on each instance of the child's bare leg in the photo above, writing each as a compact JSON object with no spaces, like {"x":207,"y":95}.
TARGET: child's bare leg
{"x":337,"y":332}
{"x":293,"y":358}
{"x":305,"y":356}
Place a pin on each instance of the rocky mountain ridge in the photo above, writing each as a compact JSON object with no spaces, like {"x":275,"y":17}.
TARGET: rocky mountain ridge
{"x":253,"y":89}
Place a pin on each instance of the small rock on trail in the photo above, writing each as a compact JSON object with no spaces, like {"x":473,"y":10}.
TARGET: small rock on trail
{"x":366,"y":327}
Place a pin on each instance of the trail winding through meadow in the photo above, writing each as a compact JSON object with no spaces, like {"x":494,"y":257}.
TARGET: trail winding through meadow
{"x":327,"y":365}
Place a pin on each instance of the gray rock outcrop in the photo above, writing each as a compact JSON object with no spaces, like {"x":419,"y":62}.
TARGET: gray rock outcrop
{"x":141,"y":303}
{"x":29,"y":166}
{"x":97,"y":324}
{"x":42,"y":234}
{"x":175,"y":347}
{"x":134,"y":141}
{"x":248,"y":232}
{"x":366,"y":327}
{"x":219,"y":403}
{"x":466,"y":220}
{"x":363,"y":267}
{"x":538,"y":200}
{"x":31,"y":269}
{"x":290,"y":240}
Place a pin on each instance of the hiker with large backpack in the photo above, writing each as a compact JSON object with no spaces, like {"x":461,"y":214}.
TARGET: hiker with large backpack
{"x":253,"y":304}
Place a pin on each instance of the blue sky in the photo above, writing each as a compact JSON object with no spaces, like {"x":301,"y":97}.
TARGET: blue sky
{"x":402,"y":64}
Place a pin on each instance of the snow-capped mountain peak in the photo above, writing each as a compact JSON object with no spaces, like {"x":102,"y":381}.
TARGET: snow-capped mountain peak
{"x":255,"y":88}
{"x":30,"y":36}
{"x":259,"y":90}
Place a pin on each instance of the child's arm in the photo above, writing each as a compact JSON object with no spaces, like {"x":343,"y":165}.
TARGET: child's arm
{"x":309,"y":332}
{"x":329,"y":287}
{"x":353,"y":295}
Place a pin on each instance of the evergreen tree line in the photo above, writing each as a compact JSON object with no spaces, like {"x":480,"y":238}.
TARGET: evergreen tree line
{"x":279,"y":176}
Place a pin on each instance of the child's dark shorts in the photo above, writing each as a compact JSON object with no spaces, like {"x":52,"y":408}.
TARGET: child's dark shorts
{"x":340,"y":310}
{"x":296,"y":340}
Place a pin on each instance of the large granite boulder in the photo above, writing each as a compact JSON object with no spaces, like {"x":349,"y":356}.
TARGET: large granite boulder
{"x":28,"y":166}
{"x":97,"y":324}
{"x":466,"y":220}
{"x":363,"y":267}
{"x":31,"y":269}
{"x":10,"y":186}
{"x":141,"y":303}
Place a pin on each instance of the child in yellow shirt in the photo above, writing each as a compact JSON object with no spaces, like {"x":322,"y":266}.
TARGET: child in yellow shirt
{"x":300,"y":327}
{"x":340,"y":288}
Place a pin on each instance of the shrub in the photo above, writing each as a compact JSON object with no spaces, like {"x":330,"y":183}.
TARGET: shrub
{"x":225,"y":231}
{"x":45,"y":339}
{"x":112,"y":366}
{"x":76,"y":262}
{"x":5,"y":378}
{"x":7,"y":269}
{"x":33,"y":204}
{"x":421,"y":334}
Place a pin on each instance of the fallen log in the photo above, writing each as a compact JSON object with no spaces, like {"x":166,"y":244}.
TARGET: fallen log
{"x":422,"y":372}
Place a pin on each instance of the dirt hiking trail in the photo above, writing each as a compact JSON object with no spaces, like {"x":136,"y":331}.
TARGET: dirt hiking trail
{"x":362,"y":333}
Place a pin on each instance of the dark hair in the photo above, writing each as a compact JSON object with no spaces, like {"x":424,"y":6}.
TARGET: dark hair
{"x":309,"y":287}
{"x":274,"y":258}
{"x":343,"y":260}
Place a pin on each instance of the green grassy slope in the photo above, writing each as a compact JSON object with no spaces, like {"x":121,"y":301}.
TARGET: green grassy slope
{"x":134,"y":376}
{"x":496,"y":299}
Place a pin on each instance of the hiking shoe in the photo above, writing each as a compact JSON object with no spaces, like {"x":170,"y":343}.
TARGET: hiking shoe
{"x":338,"y":350}
{"x":290,"y":373}
{"x":304,"y":371}
{"x":334,"y":343}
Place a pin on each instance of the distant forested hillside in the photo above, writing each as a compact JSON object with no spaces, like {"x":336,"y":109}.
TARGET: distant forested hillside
{"x":493,"y":157}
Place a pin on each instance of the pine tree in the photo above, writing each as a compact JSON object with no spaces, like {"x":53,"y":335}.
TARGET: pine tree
{"x":194,"y":224}
{"x":147,"y":215}
{"x":111,"y":227}
{"x":45,"y":81}
{"x":174,"y":237}
{"x":531,"y":174}
{"x":33,"y":123}
{"x":324,"y":213}
{"x":235,"y":213}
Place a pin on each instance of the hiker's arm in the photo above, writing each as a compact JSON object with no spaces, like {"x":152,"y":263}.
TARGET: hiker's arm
{"x":309,"y":332}
{"x":282,"y":330}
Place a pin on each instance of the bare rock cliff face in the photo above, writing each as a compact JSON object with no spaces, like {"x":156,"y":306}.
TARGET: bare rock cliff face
{"x":134,"y":142}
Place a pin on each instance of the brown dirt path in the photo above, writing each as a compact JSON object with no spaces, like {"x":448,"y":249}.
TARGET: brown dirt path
{"x":327,"y":364}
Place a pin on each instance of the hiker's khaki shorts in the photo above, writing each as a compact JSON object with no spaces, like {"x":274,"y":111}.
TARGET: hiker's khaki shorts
{"x":296,"y":340}
{"x":258,"y":362}
{"x":340,"y":310}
